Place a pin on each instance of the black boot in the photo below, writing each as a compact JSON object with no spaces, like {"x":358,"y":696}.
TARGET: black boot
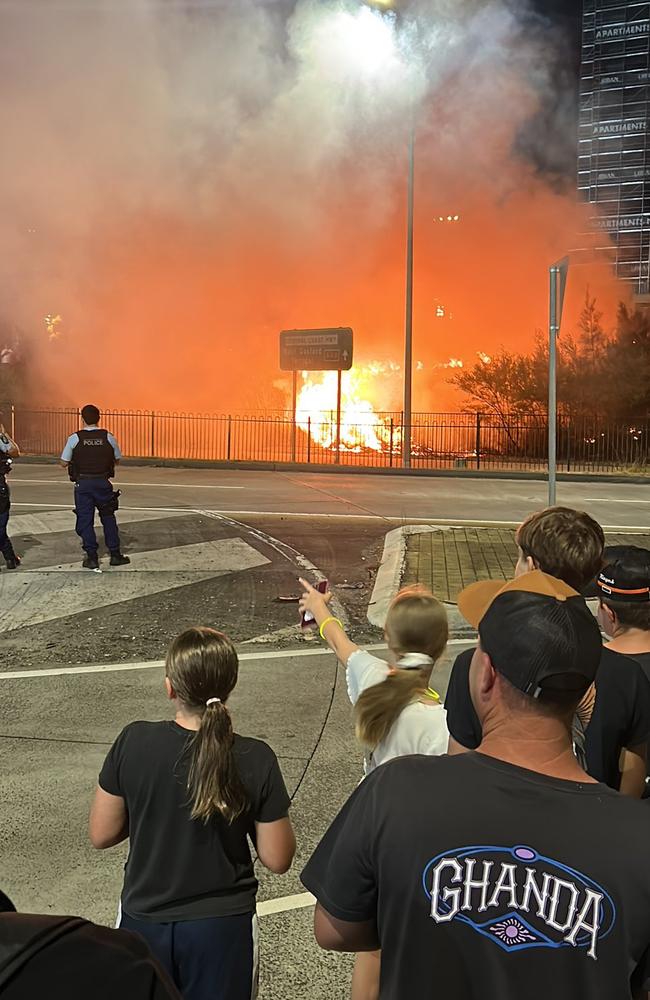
{"x":91,"y":561}
{"x":117,"y":559}
{"x":13,"y":561}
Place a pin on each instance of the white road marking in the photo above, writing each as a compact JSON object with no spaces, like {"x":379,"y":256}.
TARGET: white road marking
{"x":393,"y":518}
{"x":52,"y":521}
{"x":612,"y":500}
{"x":45,"y":594}
{"x":107,"y":668}
{"x":127,"y":482}
{"x":47,"y":507}
{"x":283,"y":903}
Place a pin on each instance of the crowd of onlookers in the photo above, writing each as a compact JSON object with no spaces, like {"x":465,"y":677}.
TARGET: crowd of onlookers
{"x":495,"y":847}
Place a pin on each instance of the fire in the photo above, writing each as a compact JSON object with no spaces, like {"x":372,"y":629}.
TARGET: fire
{"x":361,"y":426}
{"x":52,"y":324}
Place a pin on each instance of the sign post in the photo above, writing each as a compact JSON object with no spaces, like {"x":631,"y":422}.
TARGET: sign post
{"x":558,"y":279}
{"x":294,"y":402}
{"x":319,"y":350}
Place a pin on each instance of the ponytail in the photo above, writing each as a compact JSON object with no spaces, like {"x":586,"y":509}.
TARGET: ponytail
{"x":202,"y":667}
{"x":213,"y":781}
{"x":379,"y":706}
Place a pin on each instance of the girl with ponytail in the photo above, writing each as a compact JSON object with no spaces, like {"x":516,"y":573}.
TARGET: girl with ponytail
{"x":395,"y":711}
{"x":188,"y":795}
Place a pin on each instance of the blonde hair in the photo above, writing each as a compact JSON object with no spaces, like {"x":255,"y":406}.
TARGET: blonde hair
{"x":416,"y":623}
{"x":202,"y":666}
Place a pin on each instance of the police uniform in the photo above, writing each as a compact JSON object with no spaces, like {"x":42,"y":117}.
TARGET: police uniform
{"x":6,"y":548}
{"x":91,"y":454}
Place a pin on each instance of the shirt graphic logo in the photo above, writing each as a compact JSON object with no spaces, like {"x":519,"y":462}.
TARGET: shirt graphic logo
{"x":518,"y":898}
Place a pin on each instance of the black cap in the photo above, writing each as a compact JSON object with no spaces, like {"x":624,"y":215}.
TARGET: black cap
{"x":625,"y":577}
{"x":537,"y":631}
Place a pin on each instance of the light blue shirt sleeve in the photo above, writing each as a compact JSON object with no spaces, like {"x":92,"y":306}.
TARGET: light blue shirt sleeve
{"x":5,"y":447}
{"x":114,"y":445}
{"x":72,"y":442}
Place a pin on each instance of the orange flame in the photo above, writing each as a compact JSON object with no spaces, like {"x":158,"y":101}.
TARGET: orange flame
{"x":361,"y":426}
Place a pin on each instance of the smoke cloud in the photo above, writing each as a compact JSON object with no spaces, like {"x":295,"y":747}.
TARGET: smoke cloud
{"x":182,"y":179}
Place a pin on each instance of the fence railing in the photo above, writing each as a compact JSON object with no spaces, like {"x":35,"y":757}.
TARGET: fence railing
{"x":439,"y":440}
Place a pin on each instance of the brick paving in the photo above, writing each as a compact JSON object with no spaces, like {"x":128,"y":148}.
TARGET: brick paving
{"x":448,"y":559}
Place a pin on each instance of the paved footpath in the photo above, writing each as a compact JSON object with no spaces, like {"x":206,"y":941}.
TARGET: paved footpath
{"x":448,"y":559}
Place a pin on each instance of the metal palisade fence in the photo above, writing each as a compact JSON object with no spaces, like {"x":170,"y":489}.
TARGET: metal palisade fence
{"x":439,"y":440}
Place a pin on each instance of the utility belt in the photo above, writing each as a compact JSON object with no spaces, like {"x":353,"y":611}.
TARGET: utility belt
{"x":74,"y":474}
{"x":112,"y":505}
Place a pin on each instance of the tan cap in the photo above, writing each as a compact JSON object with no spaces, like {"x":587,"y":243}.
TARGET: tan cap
{"x":474,"y":600}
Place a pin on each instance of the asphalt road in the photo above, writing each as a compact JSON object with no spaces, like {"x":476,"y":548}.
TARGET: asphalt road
{"x":69,"y":683}
{"x":402,"y":498}
{"x":56,"y":727}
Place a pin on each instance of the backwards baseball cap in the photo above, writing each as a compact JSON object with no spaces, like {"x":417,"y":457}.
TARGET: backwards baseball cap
{"x":625,"y":577}
{"x":537,"y":631}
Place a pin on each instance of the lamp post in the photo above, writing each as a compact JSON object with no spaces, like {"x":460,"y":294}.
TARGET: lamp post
{"x":389,"y":6}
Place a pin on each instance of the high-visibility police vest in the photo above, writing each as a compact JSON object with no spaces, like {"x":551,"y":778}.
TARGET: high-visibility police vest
{"x":93,"y":455}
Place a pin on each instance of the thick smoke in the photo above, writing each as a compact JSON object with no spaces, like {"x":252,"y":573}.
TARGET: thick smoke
{"x":181,"y":179}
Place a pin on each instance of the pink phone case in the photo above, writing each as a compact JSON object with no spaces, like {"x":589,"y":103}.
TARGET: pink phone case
{"x":307,"y":620}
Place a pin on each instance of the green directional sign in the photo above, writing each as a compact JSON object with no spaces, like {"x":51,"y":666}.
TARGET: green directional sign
{"x":328,"y":350}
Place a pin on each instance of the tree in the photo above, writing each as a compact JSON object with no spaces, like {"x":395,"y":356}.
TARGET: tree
{"x":599,"y":376}
{"x":504,"y":384}
{"x":628,"y":366}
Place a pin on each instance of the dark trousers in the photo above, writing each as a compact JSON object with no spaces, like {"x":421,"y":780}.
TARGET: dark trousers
{"x":6,"y":548}
{"x":211,"y":959}
{"x":91,"y":494}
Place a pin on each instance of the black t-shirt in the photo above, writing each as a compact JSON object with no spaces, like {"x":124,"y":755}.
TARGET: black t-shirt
{"x":88,"y":962}
{"x":488,"y":880}
{"x":644,"y":660}
{"x":179,"y":868}
{"x":462,"y":720}
{"x":621,"y":715}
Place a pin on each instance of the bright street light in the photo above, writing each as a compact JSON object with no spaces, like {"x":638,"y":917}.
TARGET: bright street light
{"x":365,"y":39}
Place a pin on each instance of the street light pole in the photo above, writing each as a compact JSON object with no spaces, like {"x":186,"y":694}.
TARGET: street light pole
{"x":553,"y":325}
{"x":558,"y":274}
{"x":408,"y":322}
{"x":393,"y":7}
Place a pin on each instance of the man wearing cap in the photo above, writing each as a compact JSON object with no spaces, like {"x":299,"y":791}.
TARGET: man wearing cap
{"x":507,"y":872}
{"x":613,"y":724}
{"x":624,"y":603}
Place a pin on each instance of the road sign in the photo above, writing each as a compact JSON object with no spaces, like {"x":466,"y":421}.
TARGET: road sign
{"x":316,"y":350}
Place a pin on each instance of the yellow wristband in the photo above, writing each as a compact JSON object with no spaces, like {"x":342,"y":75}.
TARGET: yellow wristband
{"x":326,"y":622}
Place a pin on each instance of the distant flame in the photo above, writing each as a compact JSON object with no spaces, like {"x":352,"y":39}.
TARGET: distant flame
{"x":52,"y":324}
{"x":361,"y":426}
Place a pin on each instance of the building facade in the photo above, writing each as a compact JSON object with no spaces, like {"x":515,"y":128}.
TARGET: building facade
{"x":614,"y":128}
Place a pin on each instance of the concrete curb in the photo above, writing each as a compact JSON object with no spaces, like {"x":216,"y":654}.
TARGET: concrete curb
{"x":391,"y":568}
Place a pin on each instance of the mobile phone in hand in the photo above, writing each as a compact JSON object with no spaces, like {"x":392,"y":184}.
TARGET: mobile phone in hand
{"x":307,"y":620}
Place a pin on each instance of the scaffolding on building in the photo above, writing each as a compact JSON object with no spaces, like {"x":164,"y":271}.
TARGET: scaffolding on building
{"x":613,"y":167}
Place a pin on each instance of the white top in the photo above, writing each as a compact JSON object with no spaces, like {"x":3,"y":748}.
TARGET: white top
{"x":420,"y":728}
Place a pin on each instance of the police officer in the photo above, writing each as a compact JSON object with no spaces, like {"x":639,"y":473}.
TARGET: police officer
{"x":8,"y":450}
{"x":90,"y":457}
